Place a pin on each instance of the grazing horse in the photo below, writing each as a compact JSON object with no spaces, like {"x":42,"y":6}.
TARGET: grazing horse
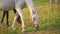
{"x":7,"y":14}
{"x":6,"y":5}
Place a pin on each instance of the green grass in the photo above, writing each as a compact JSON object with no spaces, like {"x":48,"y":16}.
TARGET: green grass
{"x":49,"y":20}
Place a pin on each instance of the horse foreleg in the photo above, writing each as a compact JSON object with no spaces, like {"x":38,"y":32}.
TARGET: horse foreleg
{"x":13,"y":25}
{"x":19,"y":11}
{"x":18,"y":17}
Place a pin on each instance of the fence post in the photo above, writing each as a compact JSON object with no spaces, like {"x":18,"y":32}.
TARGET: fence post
{"x":56,"y":2}
{"x":50,"y":3}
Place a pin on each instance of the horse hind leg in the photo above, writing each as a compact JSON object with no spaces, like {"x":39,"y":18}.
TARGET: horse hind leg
{"x":7,"y":14}
{"x":2,"y":19}
{"x":3,"y":16}
{"x":0,"y":24}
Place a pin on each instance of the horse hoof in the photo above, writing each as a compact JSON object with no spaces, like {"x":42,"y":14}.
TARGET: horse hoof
{"x":14,"y":28}
{"x":0,"y":24}
{"x":23,"y":30}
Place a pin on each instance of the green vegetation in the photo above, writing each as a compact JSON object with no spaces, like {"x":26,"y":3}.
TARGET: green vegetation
{"x":49,"y":19}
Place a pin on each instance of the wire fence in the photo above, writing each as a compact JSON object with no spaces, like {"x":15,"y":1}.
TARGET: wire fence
{"x":39,"y":2}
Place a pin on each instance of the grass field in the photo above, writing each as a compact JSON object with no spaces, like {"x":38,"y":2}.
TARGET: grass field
{"x":49,"y":20}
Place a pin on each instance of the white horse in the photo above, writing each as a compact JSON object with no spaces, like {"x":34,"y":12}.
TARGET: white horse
{"x":6,"y":5}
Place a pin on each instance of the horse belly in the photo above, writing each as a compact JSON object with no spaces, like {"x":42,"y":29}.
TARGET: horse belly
{"x":6,"y":4}
{"x":5,"y":8}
